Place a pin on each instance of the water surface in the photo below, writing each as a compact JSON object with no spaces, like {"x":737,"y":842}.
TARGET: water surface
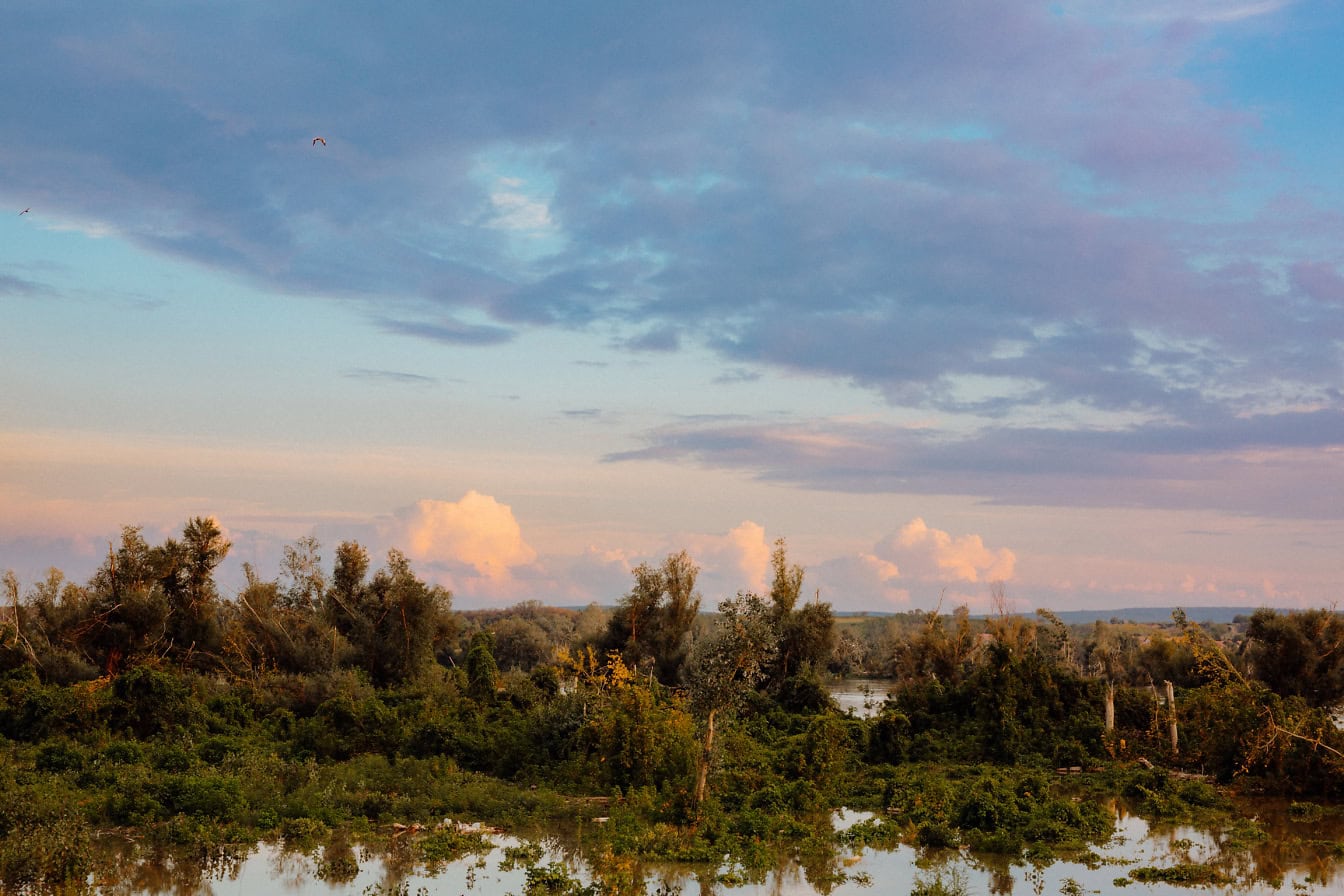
{"x":1296,"y":857}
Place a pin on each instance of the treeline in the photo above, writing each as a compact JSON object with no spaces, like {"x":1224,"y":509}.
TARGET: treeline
{"x":349,"y":694}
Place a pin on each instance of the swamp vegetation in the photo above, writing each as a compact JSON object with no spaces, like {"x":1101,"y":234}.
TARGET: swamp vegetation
{"x":323,"y":710}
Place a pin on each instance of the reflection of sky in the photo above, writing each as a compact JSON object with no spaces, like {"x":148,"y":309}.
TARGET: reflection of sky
{"x":1060,"y":279}
{"x":871,"y":871}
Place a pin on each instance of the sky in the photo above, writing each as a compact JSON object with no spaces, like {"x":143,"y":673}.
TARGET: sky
{"x":944,"y":294}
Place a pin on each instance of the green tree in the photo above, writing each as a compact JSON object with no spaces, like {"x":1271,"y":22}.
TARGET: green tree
{"x":1299,"y":654}
{"x":128,"y":611}
{"x":392,"y":622}
{"x":186,"y":575}
{"x":521,"y":643}
{"x":935,"y":651}
{"x":267,"y":631}
{"x":724,"y":667}
{"x":806,"y":635}
{"x":301,"y":570}
{"x":482,"y":670}
{"x":652,"y":623}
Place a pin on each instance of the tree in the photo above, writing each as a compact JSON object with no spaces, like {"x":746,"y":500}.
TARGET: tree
{"x":1299,"y":654}
{"x":934,"y":652}
{"x":806,"y":635}
{"x":652,"y":622}
{"x":726,"y":665}
{"x":392,"y":622}
{"x":521,"y":643}
{"x":186,"y":575}
{"x":267,"y":631}
{"x":302,"y":567}
{"x":482,"y":671}
{"x":128,"y":612}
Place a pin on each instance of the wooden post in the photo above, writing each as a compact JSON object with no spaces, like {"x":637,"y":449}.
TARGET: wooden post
{"x":1171,"y":709}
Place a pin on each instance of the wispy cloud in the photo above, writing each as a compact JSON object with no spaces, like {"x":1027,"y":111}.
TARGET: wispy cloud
{"x":1285,"y":464}
{"x":391,"y":377}
{"x":449,"y":331}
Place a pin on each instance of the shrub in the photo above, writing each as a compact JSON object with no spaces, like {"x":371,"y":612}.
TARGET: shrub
{"x":59,"y":756}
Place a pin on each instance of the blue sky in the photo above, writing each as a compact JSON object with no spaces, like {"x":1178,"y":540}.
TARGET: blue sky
{"x":944,"y":294}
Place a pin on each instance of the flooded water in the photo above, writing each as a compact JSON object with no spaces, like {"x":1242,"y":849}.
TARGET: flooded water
{"x":862,"y":696}
{"x":1298,"y":855}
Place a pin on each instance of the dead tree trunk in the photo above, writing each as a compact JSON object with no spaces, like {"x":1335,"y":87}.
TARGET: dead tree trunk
{"x":1110,"y":706}
{"x":1171,"y":711}
{"x":702,"y":771}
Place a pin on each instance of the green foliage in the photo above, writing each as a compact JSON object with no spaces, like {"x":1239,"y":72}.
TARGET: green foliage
{"x":447,"y":844}
{"x":44,"y":840}
{"x":393,"y":622}
{"x":1181,"y":875}
{"x":482,"y":670}
{"x":148,"y":700}
{"x":652,"y":623}
{"x":555,"y":880}
{"x":311,"y":705}
{"x":637,"y":736}
{"x":1299,"y":654}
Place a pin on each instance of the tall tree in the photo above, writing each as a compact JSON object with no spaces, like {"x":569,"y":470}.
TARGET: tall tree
{"x":482,"y":670}
{"x":186,"y":574}
{"x":726,"y":665}
{"x":301,"y":571}
{"x":806,"y":634}
{"x":393,"y":621}
{"x":128,"y":610}
{"x":652,"y":623}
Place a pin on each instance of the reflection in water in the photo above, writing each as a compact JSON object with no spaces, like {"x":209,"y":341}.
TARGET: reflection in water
{"x":1281,"y":852}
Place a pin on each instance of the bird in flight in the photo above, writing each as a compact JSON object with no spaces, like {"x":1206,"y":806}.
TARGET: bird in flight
{"x":317,"y":140}
{"x":24,"y":212}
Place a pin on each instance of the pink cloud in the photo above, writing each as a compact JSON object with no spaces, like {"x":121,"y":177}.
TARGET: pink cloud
{"x":932,"y":554}
{"x":862,"y":581}
{"x":476,"y":532}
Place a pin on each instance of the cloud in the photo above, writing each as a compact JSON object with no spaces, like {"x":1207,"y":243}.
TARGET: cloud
{"x":836,"y":195}
{"x":476,"y":532}
{"x":515,"y":209}
{"x":17,"y":286}
{"x":861,"y":581}
{"x":749,"y":555}
{"x":393,"y":377}
{"x":1282,"y":464}
{"x":924,"y":553}
{"x":450,"y":332}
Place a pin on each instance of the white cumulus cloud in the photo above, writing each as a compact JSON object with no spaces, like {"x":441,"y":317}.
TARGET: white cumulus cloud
{"x":922,"y":552}
{"x":477,"y":532}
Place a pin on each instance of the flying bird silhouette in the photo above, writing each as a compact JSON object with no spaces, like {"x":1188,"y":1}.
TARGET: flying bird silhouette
{"x":317,"y":140}
{"x":25,"y":211}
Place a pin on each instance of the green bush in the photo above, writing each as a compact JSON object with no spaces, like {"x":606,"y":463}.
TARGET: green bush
{"x":59,"y":756}
{"x":149,"y":701}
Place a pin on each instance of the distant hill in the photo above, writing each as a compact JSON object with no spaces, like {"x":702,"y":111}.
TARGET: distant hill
{"x":1159,"y":615}
{"x":1153,"y":614}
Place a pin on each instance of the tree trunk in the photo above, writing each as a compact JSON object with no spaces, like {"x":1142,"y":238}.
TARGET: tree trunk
{"x":1171,"y":709}
{"x":1110,"y":707}
{"x":702,"y":770}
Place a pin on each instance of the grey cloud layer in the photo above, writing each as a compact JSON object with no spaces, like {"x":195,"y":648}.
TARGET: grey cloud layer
{"x":977,"y":208}
{"x":1271,"y":464}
